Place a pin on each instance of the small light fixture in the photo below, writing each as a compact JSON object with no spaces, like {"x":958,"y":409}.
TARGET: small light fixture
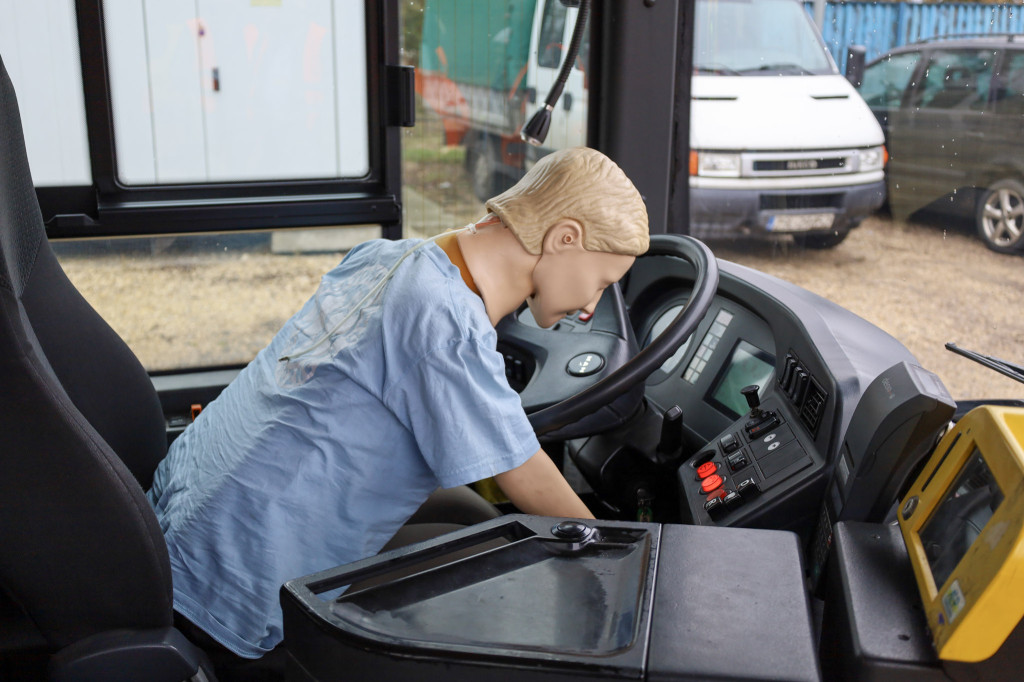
{"x":536,"y":129}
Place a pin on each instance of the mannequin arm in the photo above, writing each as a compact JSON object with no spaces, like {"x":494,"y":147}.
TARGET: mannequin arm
{"x":537,"y":487}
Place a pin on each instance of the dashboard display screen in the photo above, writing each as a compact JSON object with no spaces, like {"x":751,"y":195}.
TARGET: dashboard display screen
{"x":957,"y":522}
{"x":747,"y":365}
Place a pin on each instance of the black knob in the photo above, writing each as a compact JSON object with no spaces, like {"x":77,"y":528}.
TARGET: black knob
{"x":671,"y":441}
{"x":750,"y":393}
{"x":571,"y":530}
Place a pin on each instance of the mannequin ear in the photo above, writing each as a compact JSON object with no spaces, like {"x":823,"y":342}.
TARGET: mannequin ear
{"x":566,"y":234}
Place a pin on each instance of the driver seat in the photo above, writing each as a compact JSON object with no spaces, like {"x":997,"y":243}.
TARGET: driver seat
{"x":85,"y":580}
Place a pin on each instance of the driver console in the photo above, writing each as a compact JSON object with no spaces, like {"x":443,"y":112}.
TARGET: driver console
{"x":535,"y":598}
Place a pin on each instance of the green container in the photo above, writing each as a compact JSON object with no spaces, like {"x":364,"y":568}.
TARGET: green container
{"x":477,"y":42}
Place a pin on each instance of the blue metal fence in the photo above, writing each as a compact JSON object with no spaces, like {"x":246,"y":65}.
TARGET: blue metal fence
{"x":881,"y":26}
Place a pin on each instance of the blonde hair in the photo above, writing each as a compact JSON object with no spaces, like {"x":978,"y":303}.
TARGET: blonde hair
{"x":584,"y":185}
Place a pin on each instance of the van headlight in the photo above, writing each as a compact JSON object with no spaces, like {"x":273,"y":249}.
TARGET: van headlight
{"x":714,"y":164}
{"x":872,"y":159}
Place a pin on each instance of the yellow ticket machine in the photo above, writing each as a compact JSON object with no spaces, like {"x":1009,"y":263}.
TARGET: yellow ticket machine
{"x":963,"y":525}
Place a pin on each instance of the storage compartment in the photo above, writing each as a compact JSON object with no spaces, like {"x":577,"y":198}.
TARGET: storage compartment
{"x":535,"y":598}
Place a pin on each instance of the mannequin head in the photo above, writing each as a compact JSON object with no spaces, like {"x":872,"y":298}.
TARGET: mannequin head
{"x":578,"y":184}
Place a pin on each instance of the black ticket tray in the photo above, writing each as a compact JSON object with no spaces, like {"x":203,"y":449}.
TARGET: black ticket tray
{"x":874,"y":627}
{"x":536,"y":598}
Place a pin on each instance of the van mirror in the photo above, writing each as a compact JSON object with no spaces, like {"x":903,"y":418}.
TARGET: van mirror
{"x":855,"y":58}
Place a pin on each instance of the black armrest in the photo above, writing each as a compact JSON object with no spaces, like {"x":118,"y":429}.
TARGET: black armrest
{"x":160,"y":655}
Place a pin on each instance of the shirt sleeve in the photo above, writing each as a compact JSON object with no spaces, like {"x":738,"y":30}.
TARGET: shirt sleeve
{"x":468,"y":423}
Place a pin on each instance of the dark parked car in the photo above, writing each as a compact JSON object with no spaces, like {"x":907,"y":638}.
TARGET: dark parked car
{"x":953,"y":115}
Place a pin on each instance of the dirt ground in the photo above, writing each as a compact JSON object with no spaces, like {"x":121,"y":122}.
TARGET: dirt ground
{"x":921,"y":283}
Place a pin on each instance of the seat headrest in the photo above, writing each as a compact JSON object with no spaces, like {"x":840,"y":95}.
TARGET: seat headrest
{"x":18,"y":247}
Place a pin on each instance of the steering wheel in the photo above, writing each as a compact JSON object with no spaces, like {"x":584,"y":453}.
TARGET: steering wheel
{"x":586,"y":379}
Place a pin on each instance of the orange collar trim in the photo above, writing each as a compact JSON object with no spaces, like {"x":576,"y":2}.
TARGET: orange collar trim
{"x":450,"y":245}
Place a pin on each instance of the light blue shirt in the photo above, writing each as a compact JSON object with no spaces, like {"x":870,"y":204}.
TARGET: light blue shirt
{"x":304,"y":465}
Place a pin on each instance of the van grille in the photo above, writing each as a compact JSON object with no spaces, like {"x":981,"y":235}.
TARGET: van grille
{"x":798,"y":165}
{"x":786,"y":202}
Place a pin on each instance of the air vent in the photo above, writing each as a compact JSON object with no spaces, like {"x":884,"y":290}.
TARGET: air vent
{"x":814,"y":407}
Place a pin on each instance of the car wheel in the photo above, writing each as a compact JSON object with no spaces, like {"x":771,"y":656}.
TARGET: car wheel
{"x":483,"y":170}
{"x":1000,"y":216}
{"x":820,"y":241}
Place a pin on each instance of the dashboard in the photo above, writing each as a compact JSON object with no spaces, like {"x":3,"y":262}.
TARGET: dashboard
{"x":706,"y":448}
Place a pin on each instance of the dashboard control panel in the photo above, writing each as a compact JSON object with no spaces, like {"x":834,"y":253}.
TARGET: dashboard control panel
{"x":760,"y":452}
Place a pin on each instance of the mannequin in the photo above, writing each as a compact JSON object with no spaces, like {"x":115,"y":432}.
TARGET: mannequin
{"x":575,"y":211}
{"x":385,"y":386}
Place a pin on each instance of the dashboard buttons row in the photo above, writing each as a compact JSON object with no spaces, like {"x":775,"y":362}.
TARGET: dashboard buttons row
{"x":707,"y":346}
{"x":726,"y":499}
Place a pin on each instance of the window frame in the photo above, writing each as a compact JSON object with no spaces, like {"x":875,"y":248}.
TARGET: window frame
{"x":108,"y":208}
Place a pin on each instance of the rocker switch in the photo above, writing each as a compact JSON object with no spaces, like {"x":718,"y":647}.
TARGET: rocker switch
{"x":729,"y":442}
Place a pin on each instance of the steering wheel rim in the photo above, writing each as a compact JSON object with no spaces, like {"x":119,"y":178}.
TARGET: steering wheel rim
{"x":643,"y":364}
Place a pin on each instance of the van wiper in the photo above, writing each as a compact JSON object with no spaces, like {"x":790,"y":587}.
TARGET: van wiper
{"x":1010,"y":369}
{"x":716,"y":68}
{"x":785,"y":67}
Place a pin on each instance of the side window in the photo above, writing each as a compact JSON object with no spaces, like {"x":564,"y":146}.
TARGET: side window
{"x":552,"y":29}
{"x":1009,"y":94}
{"x":206,"y":98}
{"x":886,"y":81}
{"x":956,"y":79}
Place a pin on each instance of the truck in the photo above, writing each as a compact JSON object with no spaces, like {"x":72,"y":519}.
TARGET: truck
{"x":485,"y":66}
{"x":812,"y":169}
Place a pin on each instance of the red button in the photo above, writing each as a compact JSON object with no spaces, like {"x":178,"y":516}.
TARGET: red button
{"x":711,"y":482}
{"x":717,"y":494}
{"x":706,"y":469}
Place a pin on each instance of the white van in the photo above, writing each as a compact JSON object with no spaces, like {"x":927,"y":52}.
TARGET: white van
{"x":780,"y":142}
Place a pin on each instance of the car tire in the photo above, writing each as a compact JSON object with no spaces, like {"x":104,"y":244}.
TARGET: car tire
{"x":820,"y":241}
{"x":1000,"y":216}
{"x":483,"y":169}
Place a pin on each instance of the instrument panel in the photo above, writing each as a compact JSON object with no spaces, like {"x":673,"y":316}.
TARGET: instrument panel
{"x":757,"y":460}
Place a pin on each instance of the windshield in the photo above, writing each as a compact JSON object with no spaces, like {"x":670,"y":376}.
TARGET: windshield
{"x":756,"y":37}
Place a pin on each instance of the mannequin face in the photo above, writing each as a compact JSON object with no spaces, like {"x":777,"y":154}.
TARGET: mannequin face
{"x":568,"y":278}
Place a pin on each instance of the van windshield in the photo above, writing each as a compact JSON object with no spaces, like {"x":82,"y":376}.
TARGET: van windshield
{"x":757,"y":37}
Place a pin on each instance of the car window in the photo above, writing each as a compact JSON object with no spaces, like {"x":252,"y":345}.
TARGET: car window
{"x":886,"y":80}
{"x":1009,"y":94}
{"x":956,"y":79}
{"x":767,"y":38}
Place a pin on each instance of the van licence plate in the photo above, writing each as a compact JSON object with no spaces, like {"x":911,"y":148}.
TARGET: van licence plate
{"x":800,"y":222}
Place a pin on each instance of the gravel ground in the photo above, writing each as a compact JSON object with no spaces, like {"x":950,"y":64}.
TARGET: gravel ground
{"x":921,"y":283}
